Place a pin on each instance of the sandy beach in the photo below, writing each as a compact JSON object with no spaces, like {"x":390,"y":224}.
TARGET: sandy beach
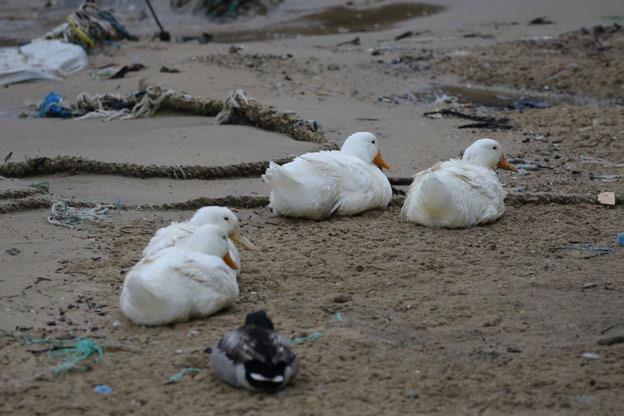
{"x":492,"y":320}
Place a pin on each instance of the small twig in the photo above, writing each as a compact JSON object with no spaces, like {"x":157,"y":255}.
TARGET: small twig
{"x":482,"y":122}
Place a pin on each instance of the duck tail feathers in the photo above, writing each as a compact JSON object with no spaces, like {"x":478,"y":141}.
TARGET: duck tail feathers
{"x":275,"y":175}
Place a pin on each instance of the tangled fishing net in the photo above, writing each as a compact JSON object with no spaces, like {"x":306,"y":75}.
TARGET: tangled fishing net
{"x":82,"y":349}
{"x":63,"y":214}
{"x":90,"y":26}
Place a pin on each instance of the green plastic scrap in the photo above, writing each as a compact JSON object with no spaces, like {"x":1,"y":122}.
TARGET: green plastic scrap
{"x":177,"y":377}
{"x":81,"y":350}
{"x":312,"y":337}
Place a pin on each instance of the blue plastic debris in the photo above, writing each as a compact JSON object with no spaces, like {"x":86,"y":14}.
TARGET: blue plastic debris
{"x":180,"y":375}
{"x":596,"y":249}
{"x":52,"y":107}
{"x":620,"y":239}
{"x":312,"y":337}
{"x":103,"y":389}
{"x":339,"y":317}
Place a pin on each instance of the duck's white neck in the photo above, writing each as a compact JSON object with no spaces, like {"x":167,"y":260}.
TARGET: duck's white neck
{"x":355,"y":149}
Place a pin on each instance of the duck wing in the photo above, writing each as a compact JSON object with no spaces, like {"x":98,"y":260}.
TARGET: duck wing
{"x":256,"y":344}
{"x":168,"y":236}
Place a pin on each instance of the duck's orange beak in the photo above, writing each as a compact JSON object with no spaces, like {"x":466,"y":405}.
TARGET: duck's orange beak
{"x":237,"y":237}
{"x":504,"y":164}
{"x":230,"y":261}
{"x":380,"y":162}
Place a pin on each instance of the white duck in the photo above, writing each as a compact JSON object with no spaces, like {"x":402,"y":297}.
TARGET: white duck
{"x":178,"y":232}
{"x":193,"y":279}
{"x":460,"y":193}
{"x":345,"y":182}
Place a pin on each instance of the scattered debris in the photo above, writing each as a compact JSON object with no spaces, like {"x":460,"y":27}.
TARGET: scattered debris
{"x":339,"y":317}
{"x":167,"y":70}
{"x":355,"y":41}
{"x":513,"y":349}
{"x":202,"y":39}
{"x":343,"y":298}
{"x":606,"y":198}
{"x":177,"y":377}
{"x":524,"y":103}
{"x":114,"y":71}
{"x":312,"y":337}
{"x":620,"y":239}
{"x":127,"y":68}
{"x":529,"y":165}
{"x":611,"y":339}
{"x":604,"y":178}
{"x":404,"y":35}
{"x":52,"y":106}
{"x":89,"y":27}
{"x":541,"y":21}
{"x":590,"y":248}
{"x":7,"y":157}
{"x":590,"y":355}
{"x":40,"y":59}
{"x":492,"y":123}
{"x":67,"y":216}
{"x":590,"y":285}
{"x":236,"y":49}
{"x":12,"y":251}
{"x":103,"y":389}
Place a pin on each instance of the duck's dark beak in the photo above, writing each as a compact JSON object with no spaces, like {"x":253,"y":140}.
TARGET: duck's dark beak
{"x":504,"y":164}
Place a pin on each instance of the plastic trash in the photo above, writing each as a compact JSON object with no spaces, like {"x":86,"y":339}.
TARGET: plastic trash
{"x":177,"y":377}
{"x":103,"y":389}
{"x":52,"y":106}
{"x":312,"y":337}
{"x":40,"y":59}
{"x":620,"y":239}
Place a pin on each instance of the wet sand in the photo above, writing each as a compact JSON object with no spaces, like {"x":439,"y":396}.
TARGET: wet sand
{"x":492,"y":320}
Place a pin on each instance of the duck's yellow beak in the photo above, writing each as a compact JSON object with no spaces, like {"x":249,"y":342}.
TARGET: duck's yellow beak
{"x":504,"y":164}
{"x":242,"y":240}
{"x":380,"y":162}
{"x":230,"y":261}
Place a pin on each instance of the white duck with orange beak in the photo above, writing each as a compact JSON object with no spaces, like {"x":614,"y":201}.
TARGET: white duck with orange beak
{"x":178,"y":232}
{"x":460,"y":193}
{"x":195,"y":278}
{"x":345,"y":182}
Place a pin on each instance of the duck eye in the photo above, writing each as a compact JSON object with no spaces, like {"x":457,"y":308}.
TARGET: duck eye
{"x":224,"y":237}
{"x":226,"y":218}
{"x":373,"y":142}
{"x":494,"y":147}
